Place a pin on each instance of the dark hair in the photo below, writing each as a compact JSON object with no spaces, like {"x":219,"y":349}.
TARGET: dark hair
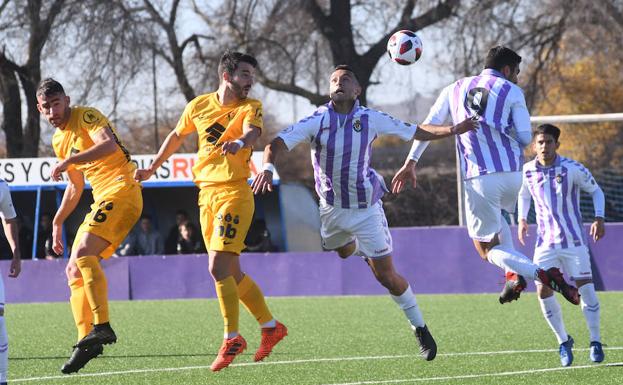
{"x":146,"y":216}
{"x":501,"y":56}
{"x":548,"y":129}
{"x":230,"y":60}
{"x":348,"y":68}
{"x":48,"y":87}
{"x":182,"y":212}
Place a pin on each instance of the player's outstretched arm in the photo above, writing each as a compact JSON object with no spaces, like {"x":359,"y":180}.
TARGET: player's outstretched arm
{"x":263,"y":181}
{"x":433,"y":132}
{"x":405,"y":176}
{"x":104,"y":145}
{"x":11,"y":232}
{"x":71,"y":197}
{"x":250,"y":135}
{"x":522,"y":231}
{"x":170,"y":145}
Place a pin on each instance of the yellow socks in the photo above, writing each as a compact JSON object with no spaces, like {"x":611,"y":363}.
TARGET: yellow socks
{"x":80,"y":307}
{"x":253,"y":300}
{"x":95,"y":287}
{"x":227,"y":293}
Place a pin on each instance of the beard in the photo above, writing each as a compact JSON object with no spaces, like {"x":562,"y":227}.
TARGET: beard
{"x":239,"y":91}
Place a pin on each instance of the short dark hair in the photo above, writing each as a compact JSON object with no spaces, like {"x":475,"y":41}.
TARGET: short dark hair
{"x":548,"y":129}
{"x":48,"y":87}
{"x":348,"y":68}
{"x":146,"y":216}
{"x":230,"y":60}
{"x":501,"y":56}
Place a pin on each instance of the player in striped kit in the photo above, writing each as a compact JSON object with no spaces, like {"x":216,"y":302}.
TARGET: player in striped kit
{"x":353,"y":222}
{"x":11,"y":232}
{"x":491,"y":160}
{"x":554,"y":183}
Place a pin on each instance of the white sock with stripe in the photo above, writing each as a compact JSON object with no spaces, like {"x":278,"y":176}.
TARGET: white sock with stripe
{"x":407,"y":302}
{"x":4,"y":351}
{"x":553,"y":315}
{"x":590,"y":307}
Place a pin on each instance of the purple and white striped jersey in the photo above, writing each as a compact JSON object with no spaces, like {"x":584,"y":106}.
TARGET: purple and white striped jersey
{"x":501,"y":109}
{"x":7,"y":211}
{"x":341,"y":148}
{"x":556,"y":193}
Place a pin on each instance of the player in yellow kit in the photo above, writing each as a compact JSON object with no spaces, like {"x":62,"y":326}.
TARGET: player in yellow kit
{"x":228,"y":124}
{"x":87,"y":145}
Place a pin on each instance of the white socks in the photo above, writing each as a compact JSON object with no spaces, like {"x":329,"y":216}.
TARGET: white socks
{"x":553,"y":315}
{"x":270,"y":324}
{"x":407,"y":302}
{"x":590,"y":308}
{"x":510,"y":259}
{"x":4,"y":351}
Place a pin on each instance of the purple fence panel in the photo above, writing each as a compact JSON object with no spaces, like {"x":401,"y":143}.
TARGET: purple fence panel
{"x":433,"y":260}
{"x":608,"y":256}
{"x":443,"y":260}
{"x":45,"y":281}
{"x":165,"y":277}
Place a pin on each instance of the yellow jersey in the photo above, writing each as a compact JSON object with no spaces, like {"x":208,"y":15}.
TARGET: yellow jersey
{"x":215,"y":124}
{"x":105,"y":175}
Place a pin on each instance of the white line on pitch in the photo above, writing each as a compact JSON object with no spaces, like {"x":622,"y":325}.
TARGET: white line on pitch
{"x":468,"y":376}
{"x":294,"y":362}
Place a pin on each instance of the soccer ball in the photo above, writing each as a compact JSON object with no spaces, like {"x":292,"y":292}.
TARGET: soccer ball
{"x":404,"y":47}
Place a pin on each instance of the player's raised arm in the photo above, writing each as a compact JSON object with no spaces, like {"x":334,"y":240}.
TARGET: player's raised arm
{"x":264,"y":180}
{"x":523,"y":206}
{"x":429,"y":132}
{"x":170,"y":145}
{"x":71,"y":197}
{"x":105,"y":144}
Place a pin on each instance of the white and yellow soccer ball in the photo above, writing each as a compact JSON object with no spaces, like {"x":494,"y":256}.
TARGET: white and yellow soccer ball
{"x":404,"y":47}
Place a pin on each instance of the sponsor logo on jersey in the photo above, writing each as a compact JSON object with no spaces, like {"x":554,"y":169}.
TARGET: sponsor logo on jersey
{"x":90,"y":117}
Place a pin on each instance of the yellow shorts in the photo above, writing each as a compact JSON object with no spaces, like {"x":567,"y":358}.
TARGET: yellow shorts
{"x":112,"y":217}
{"x":226,"y":212}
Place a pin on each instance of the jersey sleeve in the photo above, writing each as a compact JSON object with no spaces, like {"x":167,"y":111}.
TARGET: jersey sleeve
{"x":7,"y":211}
{"x":254,"y":114}
{"x":523,"y":203}
{"x":304,"y":130}
{"x":385,"y":124}
{"x":584,"y":179}
{"x":186,"y":125}
{"x":93,"y":120}
{"x":440,"y":111}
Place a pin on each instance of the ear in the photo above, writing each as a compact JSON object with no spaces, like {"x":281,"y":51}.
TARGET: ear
{"x":358,"y":90}
{"x":226,"y":77}
{"x":506,"y":71}
{"x":557,"y":145}
{"x":68,"y":100}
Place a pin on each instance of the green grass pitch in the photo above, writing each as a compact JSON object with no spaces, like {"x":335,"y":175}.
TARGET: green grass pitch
{"x":332,"y":340}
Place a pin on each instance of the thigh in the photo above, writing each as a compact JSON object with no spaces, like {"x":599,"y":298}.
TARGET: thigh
{"x":372,"y":231}
{"x":577,"y":263}
{"x":111,"y":219}
{"x":482,"y":212}
{"x":548,"y":258}
{"x":231,"y":209}
{"x":332,"y":233}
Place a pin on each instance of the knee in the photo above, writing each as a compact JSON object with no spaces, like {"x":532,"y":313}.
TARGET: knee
{"x":72,"y":271}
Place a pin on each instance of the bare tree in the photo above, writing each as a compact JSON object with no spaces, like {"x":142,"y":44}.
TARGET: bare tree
{"x":296,"y":38}
{"x":23,"y":141}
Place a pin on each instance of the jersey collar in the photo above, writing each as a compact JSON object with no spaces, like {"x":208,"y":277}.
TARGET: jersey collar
{"x":492,"y":72}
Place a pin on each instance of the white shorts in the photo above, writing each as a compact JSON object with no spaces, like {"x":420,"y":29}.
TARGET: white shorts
{"x":575,"y":261}
{"x":485,"y":197}
{"x":339,"y":226}
{"x":2,"y":296}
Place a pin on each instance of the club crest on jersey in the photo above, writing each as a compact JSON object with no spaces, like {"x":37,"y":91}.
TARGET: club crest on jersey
{"x":357,"y":125}
{"x":559,"y":178}
{"x":90,"y":117}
